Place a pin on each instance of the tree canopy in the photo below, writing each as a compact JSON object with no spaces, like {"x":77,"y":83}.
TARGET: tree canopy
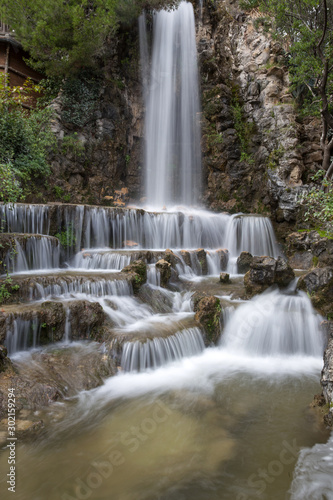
{"x":62,"y":37}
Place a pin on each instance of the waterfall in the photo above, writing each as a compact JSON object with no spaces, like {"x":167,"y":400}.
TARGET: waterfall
{"x":138,"y":356}
{"x":101,"y":260}
{"x":173,"y":158}
{"x":275,"y":324}
{"x":144,"y":54}
{"x":102,"y":228}
{"x":22,"y":334}
{"x":20,"y":218}
{"x":67,"y":287}
{"x":39,"y":252}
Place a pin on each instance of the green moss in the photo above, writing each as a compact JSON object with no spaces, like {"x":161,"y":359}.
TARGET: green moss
{"x":315,"y":261}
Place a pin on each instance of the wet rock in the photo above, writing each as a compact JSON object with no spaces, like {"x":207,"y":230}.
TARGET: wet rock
{"x":49,"y":320}
{"x":308,"y":249}
{"x":164,"y":269}
{"x":202,"y":258}
{"x":316,"y":279}
{"x":5,"y":362}
{"x":208,"y":314}
{"x":186,"y":256}
{"x":224,"y":258}
{"x":265,"y":272}
{"x":47,"y":376}
{"x":244,"y":262}
{"x":86,"y":318}
{"x":283,"y":273}
{"x":225,"y":278}
{"x":327,"y":377}
{"x":138,"y":269}
{"x":319,"y":285}
{"x":159,"y":300}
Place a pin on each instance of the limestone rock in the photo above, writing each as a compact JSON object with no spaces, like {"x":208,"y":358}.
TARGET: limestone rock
{"x":244,"y":262}
{"x":327,"y":377}
{"x":139,"y":271}
{"x":308,"y":249}
{"x":265,"y":272}
{"x":164,"y":269}
{"x":202,"y":258}
{"x":319,"y":284}
{"x":208,"y":314}
{"x":225,"y":278}
{"x":224,"y":258}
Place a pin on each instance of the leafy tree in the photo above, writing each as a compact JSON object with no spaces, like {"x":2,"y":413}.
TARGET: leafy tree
{"x":318,"y":205}
{"x":307,"y":26}
{"x":63,"y":36}
{"x":25,"y":139}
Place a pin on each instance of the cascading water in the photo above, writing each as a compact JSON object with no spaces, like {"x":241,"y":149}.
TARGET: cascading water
{"x":138,"y":356}
{"x":40,"y":252}
{"x":173,"y":158}
{"x":274,"y":324}
{"x":215,"y":405}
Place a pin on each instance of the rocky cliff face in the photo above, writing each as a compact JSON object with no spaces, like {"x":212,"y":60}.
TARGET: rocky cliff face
{"x":256,"y":154}
{"x":101,"y":161}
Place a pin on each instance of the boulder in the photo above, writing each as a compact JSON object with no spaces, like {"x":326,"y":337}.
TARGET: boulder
{"x":48,"y":376}
{"x":208,"y":314}
{"x":265,"y":272}
{"x":244,"y":262}
{"x":283,"y":273}
{"x":318,"y":283}
{"x":186,"y":256}
{"x":224,"y":258}
{"x":5,"y":362}
{"x":138,"y":269}
{"x":202,"y":258}
{"x":164,"y":269}
{"x":225,"y":278}
{"x":315,"y":280}
{"x":308,"y":249}
{"x":327,"y":376}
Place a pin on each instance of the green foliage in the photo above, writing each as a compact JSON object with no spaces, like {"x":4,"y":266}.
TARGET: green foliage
{"x":6,"y":288}
{"x":10,"y":189}
{"x":72,"y":145}
{"x":63,"y":37}
{"x":79,"y":98}
{"x":67,"y":237}
{"x":249,"y":4}
{"x":318,"y":205}
{"x":274,"y":157}
{"x":25,"y":140}
{"x":243,"y":128}
{"x":301,"y":24}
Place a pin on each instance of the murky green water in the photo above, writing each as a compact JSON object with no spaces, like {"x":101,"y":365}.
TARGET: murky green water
{"x":201,"y":429}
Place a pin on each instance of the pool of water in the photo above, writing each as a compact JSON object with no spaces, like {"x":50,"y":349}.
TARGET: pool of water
{"x":217,"y":426}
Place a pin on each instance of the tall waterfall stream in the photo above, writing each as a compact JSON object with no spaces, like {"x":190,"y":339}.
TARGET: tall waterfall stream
{"x":179,"y":421}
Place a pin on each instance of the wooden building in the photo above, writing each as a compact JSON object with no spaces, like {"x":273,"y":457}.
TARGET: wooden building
{"x":12,"y":59}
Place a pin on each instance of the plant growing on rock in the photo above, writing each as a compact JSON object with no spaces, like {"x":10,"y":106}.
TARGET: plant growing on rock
{"x":318,"y":205}
{"x":307,"y":28}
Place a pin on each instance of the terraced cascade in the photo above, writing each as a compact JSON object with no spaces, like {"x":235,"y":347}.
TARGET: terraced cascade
{"x":141,"y":368}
